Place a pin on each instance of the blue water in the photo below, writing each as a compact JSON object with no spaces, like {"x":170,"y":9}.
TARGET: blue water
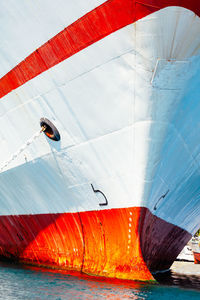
{"x":32,"y":283}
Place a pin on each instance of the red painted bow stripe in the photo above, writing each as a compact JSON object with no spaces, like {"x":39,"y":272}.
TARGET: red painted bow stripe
{"x":95,"y":25}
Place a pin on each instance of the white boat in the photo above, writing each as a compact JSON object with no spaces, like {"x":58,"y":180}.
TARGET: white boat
{"x":186,"y":254}
{"x":118,"y":194}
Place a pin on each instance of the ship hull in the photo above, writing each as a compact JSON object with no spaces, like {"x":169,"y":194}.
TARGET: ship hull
{"x":118,"y":194}
{"x":126,"y":243}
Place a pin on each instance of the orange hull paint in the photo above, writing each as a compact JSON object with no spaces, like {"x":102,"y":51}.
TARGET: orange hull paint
{"x":104,"y":243}
{"x":123,"y":243}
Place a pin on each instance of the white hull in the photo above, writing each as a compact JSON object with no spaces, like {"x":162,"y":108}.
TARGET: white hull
{"x":114,"y":112}
{"x":127,"y":111}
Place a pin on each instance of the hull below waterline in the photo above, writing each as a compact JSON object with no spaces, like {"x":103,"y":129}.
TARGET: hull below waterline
{"x":121,"y":243}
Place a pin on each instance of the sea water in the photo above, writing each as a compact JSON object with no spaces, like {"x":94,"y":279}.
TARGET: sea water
{"x":17,"y":282}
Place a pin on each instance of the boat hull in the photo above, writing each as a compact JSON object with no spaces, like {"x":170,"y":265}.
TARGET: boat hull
{"x":121,"y":243}
{"x":118,"y":194}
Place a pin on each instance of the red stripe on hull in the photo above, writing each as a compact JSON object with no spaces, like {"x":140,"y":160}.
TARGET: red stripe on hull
{"x":119,"y":243}
{"x":97,"y":24}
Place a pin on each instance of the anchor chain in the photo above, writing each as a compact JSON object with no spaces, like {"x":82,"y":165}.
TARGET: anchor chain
{"x":24,"y":146}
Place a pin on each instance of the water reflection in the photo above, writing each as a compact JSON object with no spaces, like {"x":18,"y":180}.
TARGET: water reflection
{"x":22,"y":282}
{"x":19,"y":282}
